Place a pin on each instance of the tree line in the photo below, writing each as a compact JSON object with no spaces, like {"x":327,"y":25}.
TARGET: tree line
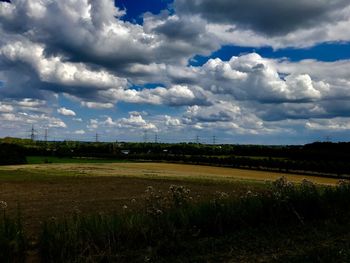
{"x":319,"y":157}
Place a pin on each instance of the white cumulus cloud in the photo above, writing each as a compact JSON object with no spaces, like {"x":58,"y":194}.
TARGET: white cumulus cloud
{"x":66,"y":112}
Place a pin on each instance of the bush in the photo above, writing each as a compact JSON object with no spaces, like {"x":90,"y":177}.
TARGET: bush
{"x":11,"y":154}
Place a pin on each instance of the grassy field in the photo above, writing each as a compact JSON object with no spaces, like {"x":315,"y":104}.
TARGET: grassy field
{"x":152,"y":171}
{"x":58,"y":190}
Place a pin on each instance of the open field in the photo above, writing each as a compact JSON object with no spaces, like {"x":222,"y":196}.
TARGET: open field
{"x":56,"y":190}
{"x":152,"y":171}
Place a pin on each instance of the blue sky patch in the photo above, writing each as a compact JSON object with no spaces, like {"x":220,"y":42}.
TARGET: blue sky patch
{"x":136,"y":8}
{"x":328,"y":52}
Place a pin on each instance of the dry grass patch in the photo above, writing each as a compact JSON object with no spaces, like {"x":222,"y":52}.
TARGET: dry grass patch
{"x":166,"y":170}
{"x":57,"y":190}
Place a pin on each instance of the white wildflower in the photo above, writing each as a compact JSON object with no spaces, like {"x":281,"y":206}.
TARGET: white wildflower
{"x":3,"y":205}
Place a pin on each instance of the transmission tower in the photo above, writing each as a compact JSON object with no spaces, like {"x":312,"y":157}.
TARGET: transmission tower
{"x":32,"y":133}
{"x":214,"y":139}
{"x":156,"y":138}
{"x":96,"y":137}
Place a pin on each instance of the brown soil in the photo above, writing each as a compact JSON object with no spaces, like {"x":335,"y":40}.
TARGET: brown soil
{"x":106,"y":188}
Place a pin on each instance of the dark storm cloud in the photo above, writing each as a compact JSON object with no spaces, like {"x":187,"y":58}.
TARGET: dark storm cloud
{"x":327,"y":108}
{"x":215,"y":117}
{"x":280,"y":112}
{"x":181,"y":29}
{"x":338,"y":107}
{"x":272,"y":17}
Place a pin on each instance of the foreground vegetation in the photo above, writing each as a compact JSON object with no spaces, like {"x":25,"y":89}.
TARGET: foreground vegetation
{"x":13,"y":243}
{"x":283,"y":223}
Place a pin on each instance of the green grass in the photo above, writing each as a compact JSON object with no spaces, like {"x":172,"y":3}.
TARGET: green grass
{"x":32,"y":175}
{"x":53,"y":159}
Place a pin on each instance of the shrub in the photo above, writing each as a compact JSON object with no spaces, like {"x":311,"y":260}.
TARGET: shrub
{"x":11,"y":154}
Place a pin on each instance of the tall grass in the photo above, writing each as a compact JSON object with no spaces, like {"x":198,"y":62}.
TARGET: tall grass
{"x":13,"y":243}
{"x":169,"y":219}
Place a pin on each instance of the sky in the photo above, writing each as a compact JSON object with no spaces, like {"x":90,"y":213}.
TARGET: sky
{"x":242,"y":72}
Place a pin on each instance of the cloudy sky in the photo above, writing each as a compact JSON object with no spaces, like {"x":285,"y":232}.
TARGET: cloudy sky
{"x":253,"y":71}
